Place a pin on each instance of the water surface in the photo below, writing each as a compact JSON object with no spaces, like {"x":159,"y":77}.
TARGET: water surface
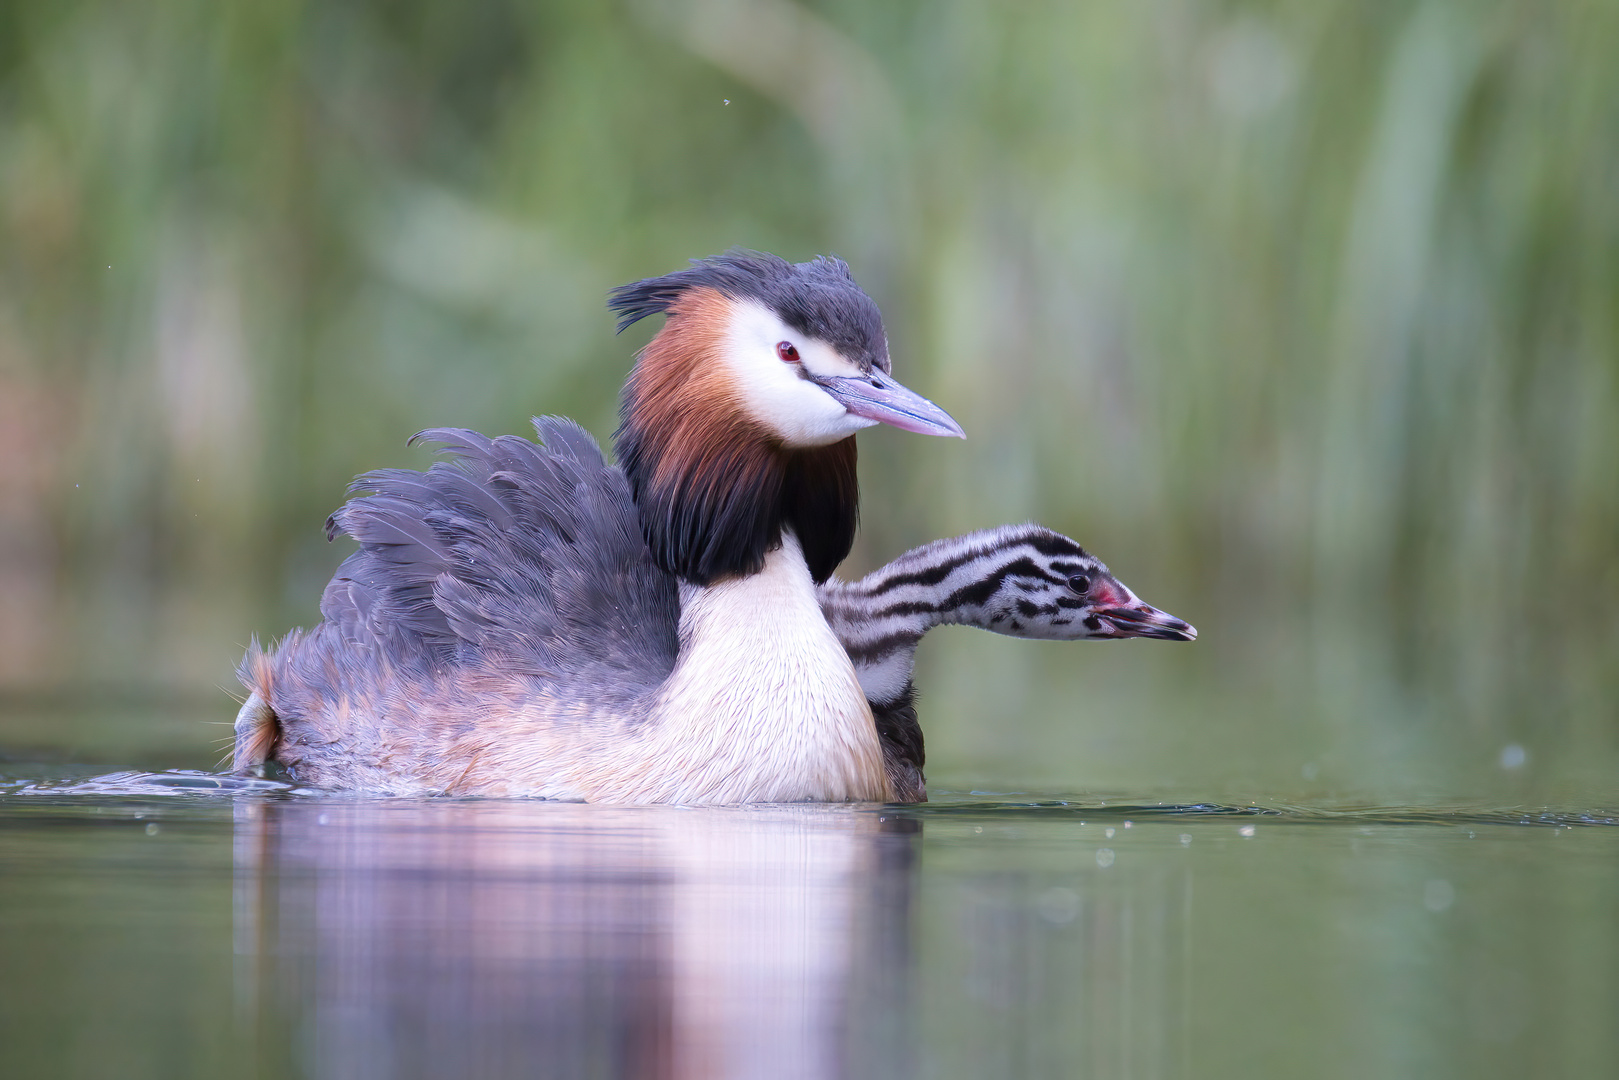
{"x":164,"y":926}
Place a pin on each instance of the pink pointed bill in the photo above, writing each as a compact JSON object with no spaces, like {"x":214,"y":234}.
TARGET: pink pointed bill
{"x":1144,"y":620}
{"x":878,"y":397}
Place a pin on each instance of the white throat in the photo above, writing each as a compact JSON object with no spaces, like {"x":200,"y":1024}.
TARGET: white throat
{"x":763,"y":704}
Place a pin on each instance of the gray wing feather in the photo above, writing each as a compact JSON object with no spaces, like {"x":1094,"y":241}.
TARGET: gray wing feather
{"x":517,"y":557}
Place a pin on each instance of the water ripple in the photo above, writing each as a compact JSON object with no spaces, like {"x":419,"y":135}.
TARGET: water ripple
{"x":1368,"y":814}
{"x":194,"y":783}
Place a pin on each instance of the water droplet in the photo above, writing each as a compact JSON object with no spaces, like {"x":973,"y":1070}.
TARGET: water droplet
{"x":978,"y":828}
{"x":1186,"y":839}
{"x":1108,"y":832}
{"x":1246,"y":830}
{"x":1104,"y":857}
{"x":1513,"y":756}
{"x":1127,"y":824}
{"x":152,"y":829}
{"x":1310,"y":770}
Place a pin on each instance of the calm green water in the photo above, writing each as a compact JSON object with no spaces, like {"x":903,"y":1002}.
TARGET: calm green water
{"x":172,"y":931}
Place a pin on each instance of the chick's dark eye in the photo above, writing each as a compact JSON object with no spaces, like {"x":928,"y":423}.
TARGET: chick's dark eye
{"x":787,"y":351}
{"x":1080,"y":584}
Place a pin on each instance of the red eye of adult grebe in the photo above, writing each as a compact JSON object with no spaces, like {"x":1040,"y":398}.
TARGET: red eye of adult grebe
{"x":787,"y":351}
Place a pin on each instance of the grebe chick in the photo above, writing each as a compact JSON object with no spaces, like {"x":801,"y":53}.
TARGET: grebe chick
{"x":1020,"y":580}
{"x":532,"y":621}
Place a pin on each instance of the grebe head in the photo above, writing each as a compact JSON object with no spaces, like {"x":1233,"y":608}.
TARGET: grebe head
{"x":1051,"y":588}
{"x":738,"y":419}
{"x":797,"y":348}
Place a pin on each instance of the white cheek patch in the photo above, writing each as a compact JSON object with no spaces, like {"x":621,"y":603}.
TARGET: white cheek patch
{"x":775,"y":392}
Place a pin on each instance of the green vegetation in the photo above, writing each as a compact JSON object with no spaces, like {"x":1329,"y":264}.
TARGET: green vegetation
{"x":1303,"y":315}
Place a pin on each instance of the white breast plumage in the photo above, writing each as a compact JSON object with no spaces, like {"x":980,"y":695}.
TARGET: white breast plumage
{"x":764,"y":705}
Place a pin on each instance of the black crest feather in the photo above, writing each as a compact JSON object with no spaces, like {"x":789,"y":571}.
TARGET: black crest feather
{"x":818,"y":298}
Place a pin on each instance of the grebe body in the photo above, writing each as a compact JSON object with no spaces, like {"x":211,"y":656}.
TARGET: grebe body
{"x":529,"y":620}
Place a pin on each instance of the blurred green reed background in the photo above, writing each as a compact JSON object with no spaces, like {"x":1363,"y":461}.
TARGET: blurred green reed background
{"x":1303,"y":315}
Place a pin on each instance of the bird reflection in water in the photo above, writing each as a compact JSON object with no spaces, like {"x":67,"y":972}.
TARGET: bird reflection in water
{"x":494,"y":938}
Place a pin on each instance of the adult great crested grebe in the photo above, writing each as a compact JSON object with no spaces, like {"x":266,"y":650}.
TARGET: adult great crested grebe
{"x":533,"y":621}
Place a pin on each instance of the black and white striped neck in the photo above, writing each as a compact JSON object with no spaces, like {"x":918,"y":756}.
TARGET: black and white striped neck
{"x":1013,"y":580}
